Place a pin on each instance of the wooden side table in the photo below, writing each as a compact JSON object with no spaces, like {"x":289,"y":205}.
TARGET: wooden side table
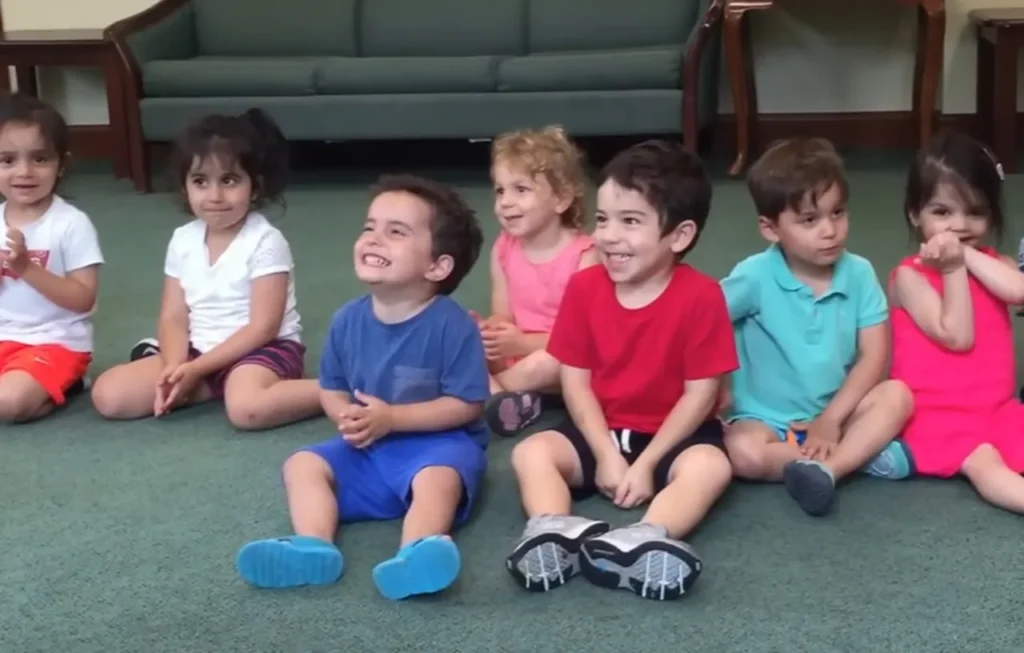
{"x":1000,"y":39}
{"x":27,"y":49}
{"x":736,"y":37}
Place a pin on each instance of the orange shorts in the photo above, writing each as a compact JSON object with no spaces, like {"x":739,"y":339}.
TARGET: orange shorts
{"x":54,"y":367}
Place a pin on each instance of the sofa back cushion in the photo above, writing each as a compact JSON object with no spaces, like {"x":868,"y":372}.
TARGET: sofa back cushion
{"x":560,"y":25}
{"x":401,"y":28}
{"x":276,"y":27}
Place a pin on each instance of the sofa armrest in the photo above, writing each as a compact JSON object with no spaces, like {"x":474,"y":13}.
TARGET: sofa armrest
{"x":165,"y":30}
{"x":701,"y":65}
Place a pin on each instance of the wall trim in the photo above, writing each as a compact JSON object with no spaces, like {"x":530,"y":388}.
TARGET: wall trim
{"x":877,"y":130}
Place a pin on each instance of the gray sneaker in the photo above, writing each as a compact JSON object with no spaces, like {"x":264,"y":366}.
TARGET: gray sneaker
{"x":548,"y":553}
{"x":642,"y":559}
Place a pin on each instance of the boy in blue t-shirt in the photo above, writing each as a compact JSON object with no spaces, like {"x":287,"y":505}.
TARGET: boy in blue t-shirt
{"x":403,"y":376}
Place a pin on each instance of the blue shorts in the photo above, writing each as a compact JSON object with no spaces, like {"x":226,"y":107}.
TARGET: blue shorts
{"x":785,"y":434}
{"x":375,"y":484}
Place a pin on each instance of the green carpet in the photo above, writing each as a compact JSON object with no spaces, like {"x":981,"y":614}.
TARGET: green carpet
{"x":122,"y":536}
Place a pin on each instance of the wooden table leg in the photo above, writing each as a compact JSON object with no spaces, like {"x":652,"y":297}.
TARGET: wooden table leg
{"x":742,"y":83}
{"x":118,"y":124}
{"x":928,"y":64}
{"x":740,"y":60}
{"x":1003,"y":103}
{"x":25,"y":79}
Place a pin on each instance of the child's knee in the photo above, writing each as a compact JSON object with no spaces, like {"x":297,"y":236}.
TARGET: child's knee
{"x":247,"y":412}
{"x":437,"y":481}
{"x":304,"y":466}
{"x":705,"y":462}
{"x":746,"y":452}
{"x":893,"y":397}
{"x":533,"y":452}
{"x":21,"y":397}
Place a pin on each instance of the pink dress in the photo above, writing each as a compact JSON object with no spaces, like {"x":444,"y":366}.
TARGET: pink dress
{"x":535,"y":290}
{"x":961,"y":399}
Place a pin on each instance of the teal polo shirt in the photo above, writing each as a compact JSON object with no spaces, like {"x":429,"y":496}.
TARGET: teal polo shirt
{"x":796,"y":349}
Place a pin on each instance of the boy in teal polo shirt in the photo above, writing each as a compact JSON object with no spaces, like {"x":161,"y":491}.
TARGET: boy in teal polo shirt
{"x":810,"y":402}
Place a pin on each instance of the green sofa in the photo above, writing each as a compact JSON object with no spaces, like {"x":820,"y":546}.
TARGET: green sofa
{"x":415,"y":69}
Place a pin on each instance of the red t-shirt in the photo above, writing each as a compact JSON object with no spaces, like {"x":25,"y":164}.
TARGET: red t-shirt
{"x":640,"y":359}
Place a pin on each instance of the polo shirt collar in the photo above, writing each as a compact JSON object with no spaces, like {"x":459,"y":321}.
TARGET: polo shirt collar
{"x":787,"y":280}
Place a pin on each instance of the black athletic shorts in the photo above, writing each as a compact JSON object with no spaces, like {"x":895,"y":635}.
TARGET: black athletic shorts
{"x":631,"y":444}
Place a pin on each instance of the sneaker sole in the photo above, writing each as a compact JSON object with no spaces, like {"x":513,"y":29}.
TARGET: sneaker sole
{"x":542,"y":577}
{"x":492,"y":415}
{"x":144,"y":349}
{"x":810,"y":487}
{"x":604,"y":564}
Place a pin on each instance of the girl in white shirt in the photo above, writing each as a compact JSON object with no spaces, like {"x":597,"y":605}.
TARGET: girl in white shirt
{"x":228,"y":324}
{"x":49,"y":266}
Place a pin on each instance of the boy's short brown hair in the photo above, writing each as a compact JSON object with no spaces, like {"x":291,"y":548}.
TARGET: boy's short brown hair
{"x":792,"y":171}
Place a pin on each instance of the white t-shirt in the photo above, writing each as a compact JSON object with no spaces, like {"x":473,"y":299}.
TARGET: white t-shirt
{"x":218,"y":295}
{"x":62,"y":240}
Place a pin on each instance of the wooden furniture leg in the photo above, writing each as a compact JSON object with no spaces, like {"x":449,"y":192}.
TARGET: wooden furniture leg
{"x":116,"y":115}
{"x":740,"y":60}
{"x":1002,"y":102}
{"x":931,"y":32}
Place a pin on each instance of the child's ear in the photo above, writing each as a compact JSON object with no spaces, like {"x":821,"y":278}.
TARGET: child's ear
{"x":440,"y":269}
{"x":565,"y":200}
{"x":683,"y":235}
{"x":769,"y":229}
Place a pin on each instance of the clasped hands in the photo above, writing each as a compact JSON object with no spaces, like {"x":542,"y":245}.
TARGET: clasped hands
{"x":502,"y":339}
{"x":943,"y":251}
{"x":821,"y":439}
{"x":174,"y":385}
{"x":364,"y":423}
{"x":627,"y":486}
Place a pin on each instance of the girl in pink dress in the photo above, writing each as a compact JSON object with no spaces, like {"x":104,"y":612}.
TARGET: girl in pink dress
{"x":538,"y":199}
{"x":952,"y":338}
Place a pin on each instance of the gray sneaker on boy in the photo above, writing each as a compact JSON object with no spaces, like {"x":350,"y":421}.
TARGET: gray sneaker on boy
{"x":548,"y":553}
{"x":643,"y":559}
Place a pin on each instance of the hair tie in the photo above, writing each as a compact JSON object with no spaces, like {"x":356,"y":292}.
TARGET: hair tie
{"x":995,"y":162}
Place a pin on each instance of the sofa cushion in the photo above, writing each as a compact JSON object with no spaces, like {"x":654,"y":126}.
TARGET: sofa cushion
{"x":230,"y":77}
{"x":557,"y":25}
{"x":272,"y":27}
{"x":636,"y":69}
{"x":399,"y":28}
{"x":372,"y":75}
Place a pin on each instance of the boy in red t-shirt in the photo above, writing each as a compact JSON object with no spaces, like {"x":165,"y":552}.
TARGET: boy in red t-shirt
{"x":644,"y":341}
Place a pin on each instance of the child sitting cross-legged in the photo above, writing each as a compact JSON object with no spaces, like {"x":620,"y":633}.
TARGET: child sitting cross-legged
{"x":811,"y":403}
{"x":538,"y":199}
{"x":404,"y":379}
{"x":644,"y":341}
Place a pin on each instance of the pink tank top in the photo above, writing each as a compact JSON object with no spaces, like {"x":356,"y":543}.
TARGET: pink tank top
{"x":535,"y":289}
{"x":980,"y":378}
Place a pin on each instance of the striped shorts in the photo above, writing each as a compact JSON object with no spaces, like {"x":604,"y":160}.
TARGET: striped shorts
{"x":285,"y":358}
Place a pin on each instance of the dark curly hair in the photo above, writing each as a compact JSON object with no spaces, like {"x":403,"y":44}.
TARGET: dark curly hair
{"x":454,"y":228}
{"x":670,"y":177}
{"x":252,"y":140}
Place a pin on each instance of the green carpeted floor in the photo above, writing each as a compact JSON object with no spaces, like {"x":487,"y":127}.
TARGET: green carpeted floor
{"x":122,"y":536}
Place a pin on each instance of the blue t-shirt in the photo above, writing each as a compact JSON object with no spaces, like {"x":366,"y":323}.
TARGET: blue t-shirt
{"x":436,"y":353}
{"x":796,"y":348}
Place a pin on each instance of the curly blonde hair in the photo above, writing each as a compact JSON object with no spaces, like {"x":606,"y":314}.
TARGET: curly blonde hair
{"x":550,"y":153}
